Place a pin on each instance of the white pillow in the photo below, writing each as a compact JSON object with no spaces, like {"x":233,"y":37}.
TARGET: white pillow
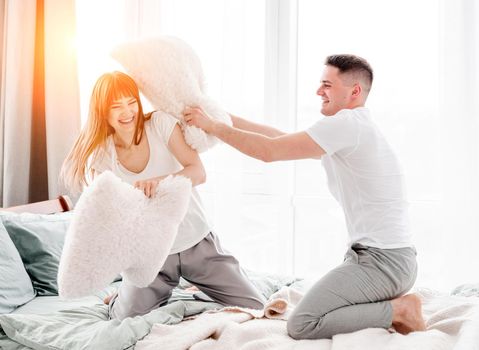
{"x":116,"y":228}
{"x":169,"y":74}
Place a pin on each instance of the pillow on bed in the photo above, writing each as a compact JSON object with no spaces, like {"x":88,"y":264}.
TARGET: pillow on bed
{"x":39,"y":240}
{"x":15,"y":286}
{"x":116,"y":228}
{"x":169,"y":74}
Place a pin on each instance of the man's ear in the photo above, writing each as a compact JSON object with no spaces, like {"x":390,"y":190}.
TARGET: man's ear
{"x":357,"y":89}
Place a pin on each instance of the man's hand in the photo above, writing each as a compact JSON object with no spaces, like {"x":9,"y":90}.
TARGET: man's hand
{"x":148,"y":187}
{"x":195,"y":116}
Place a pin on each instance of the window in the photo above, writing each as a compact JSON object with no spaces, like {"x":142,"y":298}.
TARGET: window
{"x":398,"y":39}
{"x":263,"y":60}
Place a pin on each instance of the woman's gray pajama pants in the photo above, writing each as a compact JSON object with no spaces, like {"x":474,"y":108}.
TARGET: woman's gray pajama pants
{"x":206,"y":265}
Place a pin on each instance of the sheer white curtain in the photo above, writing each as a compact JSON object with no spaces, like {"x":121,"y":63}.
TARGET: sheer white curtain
{"x":39,"y":107}
{"x":263,"y":60}
{"x":459,"y":151}
{"x":62,"y":103}
{"x":16,"y":94}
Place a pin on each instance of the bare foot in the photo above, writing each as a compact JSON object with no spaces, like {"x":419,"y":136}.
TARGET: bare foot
{"x":407,"y":314}
{"x":107,"y":299}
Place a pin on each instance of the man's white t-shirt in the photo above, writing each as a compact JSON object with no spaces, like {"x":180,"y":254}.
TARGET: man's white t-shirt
{"x":365,"y":177}
{"x":194,"y":226}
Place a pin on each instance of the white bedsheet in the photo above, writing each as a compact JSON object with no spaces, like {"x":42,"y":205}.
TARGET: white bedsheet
{"x":452,"y":324}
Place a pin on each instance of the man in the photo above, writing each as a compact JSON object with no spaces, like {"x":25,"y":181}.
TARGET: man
{"x":364,"y":175}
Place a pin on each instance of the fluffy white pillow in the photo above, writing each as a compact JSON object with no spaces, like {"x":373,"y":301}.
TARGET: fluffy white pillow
{"x":116,"y":228}
{"x":168,"y":72}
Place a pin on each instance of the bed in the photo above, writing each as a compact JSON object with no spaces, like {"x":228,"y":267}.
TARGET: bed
{"x":42,"y":320}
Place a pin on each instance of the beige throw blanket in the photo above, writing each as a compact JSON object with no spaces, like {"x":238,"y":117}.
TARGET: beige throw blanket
{"x":452,"y":324}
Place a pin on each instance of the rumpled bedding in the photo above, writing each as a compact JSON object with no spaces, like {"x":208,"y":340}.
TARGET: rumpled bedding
{"x":191,"y":322}
{"x":88,"y":327}
{"x":467,"y":290}
{"x":452,"y":324}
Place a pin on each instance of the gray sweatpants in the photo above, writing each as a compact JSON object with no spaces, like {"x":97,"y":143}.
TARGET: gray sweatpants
{"x":206,"y":265}
{"x":356,"y":294}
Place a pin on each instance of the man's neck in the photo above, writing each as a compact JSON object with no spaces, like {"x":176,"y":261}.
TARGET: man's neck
{"x":357,"y":104}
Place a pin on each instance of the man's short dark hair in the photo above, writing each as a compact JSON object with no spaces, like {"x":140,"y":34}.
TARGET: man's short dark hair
{"x":352,"y":64}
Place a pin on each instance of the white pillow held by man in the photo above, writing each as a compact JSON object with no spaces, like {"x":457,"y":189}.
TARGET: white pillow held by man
{"x":169,"y":74}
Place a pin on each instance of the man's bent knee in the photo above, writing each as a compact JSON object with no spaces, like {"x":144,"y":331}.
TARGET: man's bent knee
{"x":293,"y":330}
{"x":296,"y":327}
{"x":300,"y":328}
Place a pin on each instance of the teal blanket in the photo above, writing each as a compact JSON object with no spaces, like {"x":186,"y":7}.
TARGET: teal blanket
{"x":88,"y":327}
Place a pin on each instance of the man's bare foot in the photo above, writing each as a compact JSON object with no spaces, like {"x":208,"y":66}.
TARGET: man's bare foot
{"x":407,"y":314}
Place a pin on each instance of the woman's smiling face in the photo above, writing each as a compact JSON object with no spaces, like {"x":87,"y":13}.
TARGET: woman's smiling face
{"x":123,"y":114}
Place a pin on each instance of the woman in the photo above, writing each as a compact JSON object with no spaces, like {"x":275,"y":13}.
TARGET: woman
{"x":142,"y":150}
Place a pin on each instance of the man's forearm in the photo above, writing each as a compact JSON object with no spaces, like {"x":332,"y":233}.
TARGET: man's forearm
{"x":247,"y":125}
{"x":250,"y":143}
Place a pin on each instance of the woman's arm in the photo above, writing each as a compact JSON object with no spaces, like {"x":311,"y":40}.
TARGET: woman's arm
{"x":188,"y":158}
